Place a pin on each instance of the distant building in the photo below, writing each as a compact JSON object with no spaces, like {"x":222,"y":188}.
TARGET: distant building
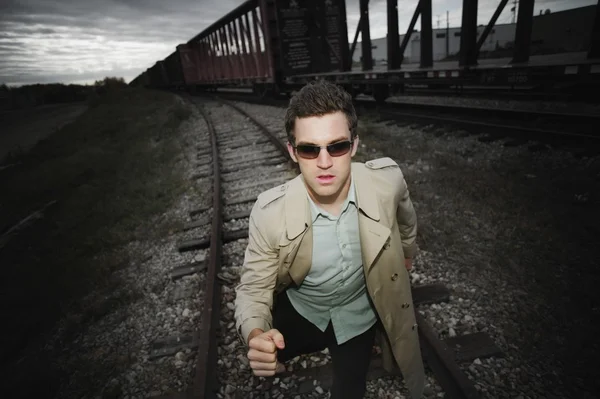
{"x":562,"y":31}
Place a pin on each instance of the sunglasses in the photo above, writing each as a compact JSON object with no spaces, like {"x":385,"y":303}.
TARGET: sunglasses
{"x":309,"y":151}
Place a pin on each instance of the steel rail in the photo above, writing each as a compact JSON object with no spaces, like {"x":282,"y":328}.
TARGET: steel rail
{"x":496,"y":126}
{"x":574,"y":130}
{"x":436,"y":353}
{"x":274,"y":139}
{"x":498,"y":123}
{"x":512,"y":113}
{"x":205,"y":381}
{"x":474,"y":92}
{"x":439,"y":357}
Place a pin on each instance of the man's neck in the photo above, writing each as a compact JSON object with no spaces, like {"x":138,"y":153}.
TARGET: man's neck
{"x":332,"y":204}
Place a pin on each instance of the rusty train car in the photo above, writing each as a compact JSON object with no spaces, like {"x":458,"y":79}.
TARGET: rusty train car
{"x":276,"y":46}
{"x":256,"y":46}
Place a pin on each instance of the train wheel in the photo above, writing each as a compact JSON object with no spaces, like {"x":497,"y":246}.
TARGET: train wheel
{"x":381,"y":93}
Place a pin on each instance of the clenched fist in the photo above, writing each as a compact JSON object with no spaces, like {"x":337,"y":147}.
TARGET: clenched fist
{"x":263,"y":352}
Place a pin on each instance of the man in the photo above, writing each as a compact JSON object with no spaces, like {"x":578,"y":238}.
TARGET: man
{"x":328,"y":252}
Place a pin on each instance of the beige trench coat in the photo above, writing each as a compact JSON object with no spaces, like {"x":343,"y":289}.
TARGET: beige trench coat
{"x":279,"y":254}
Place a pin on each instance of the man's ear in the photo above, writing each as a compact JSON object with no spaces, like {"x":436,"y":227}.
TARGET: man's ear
{"x":355,"y":146}
{"x":292,"y":152}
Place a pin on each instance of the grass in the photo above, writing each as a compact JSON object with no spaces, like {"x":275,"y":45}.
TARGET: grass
{"x":109,"y":172}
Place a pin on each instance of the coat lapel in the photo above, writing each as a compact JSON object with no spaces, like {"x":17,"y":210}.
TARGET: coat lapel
{"x":373,"y":237}
{"x":373,"y":234}
{"x":302,"y":257}
{"x":298,"y":230}
{"x":297,"y":245}
{"x":297,"y":208}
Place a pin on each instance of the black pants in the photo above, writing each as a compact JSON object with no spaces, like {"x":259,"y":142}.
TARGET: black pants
{"x":350,"y":360}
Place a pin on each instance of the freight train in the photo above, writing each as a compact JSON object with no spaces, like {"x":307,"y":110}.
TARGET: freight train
{"x":273,"y":47}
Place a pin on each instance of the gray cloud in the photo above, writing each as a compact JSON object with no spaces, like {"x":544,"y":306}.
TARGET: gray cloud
{"x":74,"y":40}
{"x":64,"y":40}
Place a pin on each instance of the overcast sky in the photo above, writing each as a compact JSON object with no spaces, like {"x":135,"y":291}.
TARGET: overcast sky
{"x":79,"y":41}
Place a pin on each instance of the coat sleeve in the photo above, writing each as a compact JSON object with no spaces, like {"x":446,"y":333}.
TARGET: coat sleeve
{"x":258,"y":275}
{"x":407,"y":220}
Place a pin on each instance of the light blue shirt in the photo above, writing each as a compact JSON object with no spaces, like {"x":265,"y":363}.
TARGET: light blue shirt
{"x":334,"y":288}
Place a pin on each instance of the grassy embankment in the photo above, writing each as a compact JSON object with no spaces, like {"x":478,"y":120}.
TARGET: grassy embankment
{"x":97,"y":181}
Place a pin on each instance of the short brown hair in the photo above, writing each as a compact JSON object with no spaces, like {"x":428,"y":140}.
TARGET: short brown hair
{"x":319,"y":98}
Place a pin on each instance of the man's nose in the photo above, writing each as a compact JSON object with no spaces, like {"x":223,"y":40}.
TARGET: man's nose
{"x":324,"y":160}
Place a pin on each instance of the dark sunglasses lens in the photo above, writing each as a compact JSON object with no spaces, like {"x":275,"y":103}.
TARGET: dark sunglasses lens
{"x":339,"y":149}
{"x":308,"y":151}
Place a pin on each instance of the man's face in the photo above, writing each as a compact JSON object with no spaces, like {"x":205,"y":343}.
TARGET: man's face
{"x":326,"y":176}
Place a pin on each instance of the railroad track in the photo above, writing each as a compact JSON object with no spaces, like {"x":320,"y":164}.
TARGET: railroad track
{"x":577,"y":132}
{"x":252,"y":159}
{"x":520,"y":126}
{"x":495,"y":93}
{"x":471,"y":92}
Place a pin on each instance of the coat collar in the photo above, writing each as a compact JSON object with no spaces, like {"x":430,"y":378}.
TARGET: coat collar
{"x":297,"y":206}
{"x":365,"y":191}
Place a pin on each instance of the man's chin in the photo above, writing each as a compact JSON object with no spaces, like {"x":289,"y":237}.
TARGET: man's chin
{"x":324,"y":192}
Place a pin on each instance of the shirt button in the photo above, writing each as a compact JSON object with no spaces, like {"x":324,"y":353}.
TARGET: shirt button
{"x":405,"y":305}
{"x":394,"y":276}
{"x":344,"y":246}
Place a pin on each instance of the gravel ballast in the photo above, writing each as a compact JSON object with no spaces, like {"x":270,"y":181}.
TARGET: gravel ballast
{"x":510,"y":232}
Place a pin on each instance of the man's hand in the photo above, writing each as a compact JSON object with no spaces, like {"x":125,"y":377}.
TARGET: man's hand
{"x":408,"y":263}
{"x":263,"y":352}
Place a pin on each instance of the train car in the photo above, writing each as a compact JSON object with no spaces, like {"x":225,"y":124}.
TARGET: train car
{"x":277,"y":46}
{"x":261,"y":42}
{"x":137,"y":81}
{"x":190,"y":65}
{"x":142,"y":80}
{"x":158,"y":77}
{"x":173,"y":71}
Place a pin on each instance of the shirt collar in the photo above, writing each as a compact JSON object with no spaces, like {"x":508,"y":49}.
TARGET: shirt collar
{"x":316,"y":211}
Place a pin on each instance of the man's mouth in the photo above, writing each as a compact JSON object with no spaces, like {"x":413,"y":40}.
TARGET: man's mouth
{"x":325,"y":178}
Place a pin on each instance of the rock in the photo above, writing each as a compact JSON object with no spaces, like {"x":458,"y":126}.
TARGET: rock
{"x":229,"y":389}
{"x":428,"y":391}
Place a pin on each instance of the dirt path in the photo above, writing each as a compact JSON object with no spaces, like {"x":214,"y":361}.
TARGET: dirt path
{"x":22,"y":129}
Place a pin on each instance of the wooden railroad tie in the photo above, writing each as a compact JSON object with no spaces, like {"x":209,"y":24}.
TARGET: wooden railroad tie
{"x":465,"y":348}
{"x":204,"y":242}
{"x":441,"y":356}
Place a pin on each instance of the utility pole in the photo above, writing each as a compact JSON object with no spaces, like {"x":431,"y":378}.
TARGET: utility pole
{"x":438,"y":21}
{"x":447,"y":34}
{"x":514,"y":11}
